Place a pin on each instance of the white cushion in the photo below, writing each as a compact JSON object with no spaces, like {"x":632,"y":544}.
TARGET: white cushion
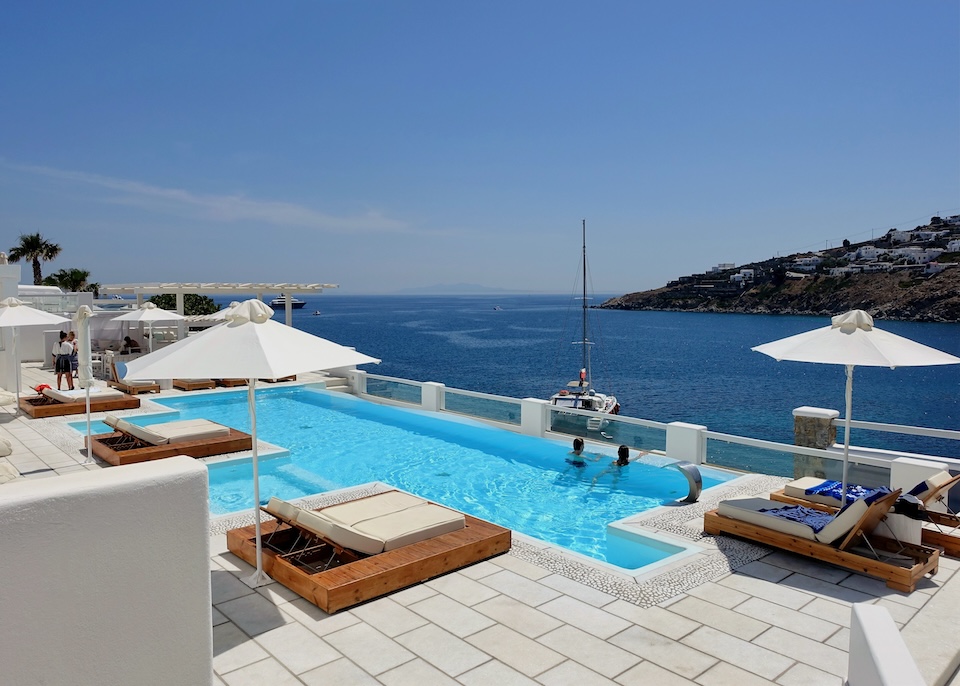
{"x":7,"y":471}
{"x":282,"y":509}
{"x":189,"y":430}
{"x":412,"y":524}
{"x":799,"y":488}
{"x":356,"y":511}
{"x":748,"y":510}
{"x":843,"y":522}
{"x":339,"y":534}
{"x":933,"y":483}
{"x":5,"y":447}
{"x":145,"y":434}
{"x":96,"y":393}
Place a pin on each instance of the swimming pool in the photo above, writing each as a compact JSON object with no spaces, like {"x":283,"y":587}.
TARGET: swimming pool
{"x":517,"y":481}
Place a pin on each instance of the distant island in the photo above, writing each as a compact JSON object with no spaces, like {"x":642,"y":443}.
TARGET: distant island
{"x":904,"y":275}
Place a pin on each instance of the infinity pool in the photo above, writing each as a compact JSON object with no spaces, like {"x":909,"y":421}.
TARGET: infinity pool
{"x":517,"y":481}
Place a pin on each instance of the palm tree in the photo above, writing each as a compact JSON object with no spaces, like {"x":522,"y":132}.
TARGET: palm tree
{"x":34,"y":247}
{"x":71,"y":280}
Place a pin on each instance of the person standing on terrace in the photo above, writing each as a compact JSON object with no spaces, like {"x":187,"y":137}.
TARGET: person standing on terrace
{"x":61,"y":361}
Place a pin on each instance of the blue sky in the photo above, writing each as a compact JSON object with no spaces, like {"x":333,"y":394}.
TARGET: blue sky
{"x":384,"y":146}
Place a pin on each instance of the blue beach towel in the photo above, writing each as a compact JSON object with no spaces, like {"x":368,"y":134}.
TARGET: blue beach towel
{"x":815,"y":519}
{"x":833,"y":489}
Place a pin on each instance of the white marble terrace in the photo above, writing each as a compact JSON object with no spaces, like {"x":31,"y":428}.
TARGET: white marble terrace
{"x":735,"y":614}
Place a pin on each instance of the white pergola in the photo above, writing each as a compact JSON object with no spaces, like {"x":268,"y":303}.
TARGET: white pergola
{"x":139,"y":290}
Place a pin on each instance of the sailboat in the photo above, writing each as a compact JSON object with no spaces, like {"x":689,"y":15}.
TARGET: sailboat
{"x":579,"y":394}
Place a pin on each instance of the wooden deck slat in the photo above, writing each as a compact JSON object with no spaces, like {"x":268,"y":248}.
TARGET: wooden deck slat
{"x":58,"y":409}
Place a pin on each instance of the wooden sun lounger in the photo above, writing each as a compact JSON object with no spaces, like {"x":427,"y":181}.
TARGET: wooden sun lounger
{"x":131,"y":387}
{"x":283,"y":378}
{"x":920,"y":560}
{"x":194,"y":384}
{"x":41,"y":406}
{"x":354,"y":578}
{"x":945,"y":532}
{"x":120,"y":448}
{"x":230,"y":383}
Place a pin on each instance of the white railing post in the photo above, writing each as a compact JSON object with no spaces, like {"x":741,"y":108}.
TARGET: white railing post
{"x":432,"y":396}
{"x":358,"y":380}
{"x":533,"y":416}
{"x":686,"y":442}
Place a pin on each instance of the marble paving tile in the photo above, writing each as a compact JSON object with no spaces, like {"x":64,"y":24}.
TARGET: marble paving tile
{"x":233,"y":649}
{"x":494,"y":672}
{"x":520,"y":588}
{"x":725,"y":674}
{"x":518,"y":566}
{"x":519,"y":652}
{"x":448,"y":614}
{"x":388,"y":617}
{"x":805,"y":675}
{"x":658,"y":619}
{"x":267,"y":671}
{"x":825,"y":589}
{"x":462,"y":589}
{"x":341,"y":671}
{"x":254,"y":614}
{"x":774,"y":592}
{"x":297,"y":648}
{"x":797,"y":622}
{"x":371,"y":650}
{"x":673,"y":656}
{"x":835,"y":613}
{"x":577,"y":590}
{"x":649,"y":674}
{"x":416,"y":673}
{"x":802,"y":649}
{"x":570,"y":672}
{"x":583,"y":616}
{"x":316,"y":620}
{"x":724,"y":596}
{"x":745,"y":654}
{"x":719,"y":618}
{"x":597,"y":655}
{"x":518,"y":616}
{"x":443,"y":650}
{"x":804,"y":565}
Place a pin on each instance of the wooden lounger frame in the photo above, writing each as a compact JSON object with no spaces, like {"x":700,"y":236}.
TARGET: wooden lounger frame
{"x":41,"y":406}
{"x":120,"y":448}
{"x":351,"y":583}
{"x":194,"y":384}
{"x":936,"y":537}
{"x":924,"y":559}
{"x":230,"y":383}
{"x":132,"y":389}
{"x":282,"y":378}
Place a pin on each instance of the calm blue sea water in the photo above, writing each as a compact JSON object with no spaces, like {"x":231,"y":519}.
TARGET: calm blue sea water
{"x":664,"y":366}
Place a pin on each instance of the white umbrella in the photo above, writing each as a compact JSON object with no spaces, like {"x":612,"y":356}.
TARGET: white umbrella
{"x":14,"y":314}
{"x":148,"y":312}
{"x":247,"y":345}
{"x":85,"y":370}
{"x":852,"y":340}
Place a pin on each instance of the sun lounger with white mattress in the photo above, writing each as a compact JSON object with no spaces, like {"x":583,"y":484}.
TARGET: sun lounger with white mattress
{"x":344,"y":554}
{"x":54,"y":403}
{"x":846,"y":539}
{"x":194,"y":437}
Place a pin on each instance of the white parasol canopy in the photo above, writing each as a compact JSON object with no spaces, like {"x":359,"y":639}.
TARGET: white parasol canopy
{"x":14,"y":314}
{"x":148,"y":312}
{"x":247,"y":345}
{"x":852,"y":340}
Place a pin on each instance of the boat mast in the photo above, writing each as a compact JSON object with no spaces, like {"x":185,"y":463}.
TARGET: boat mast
{"x":586,"y":343}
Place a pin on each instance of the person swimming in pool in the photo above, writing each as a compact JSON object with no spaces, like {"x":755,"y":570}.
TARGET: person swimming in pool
{"x":576,"y":458}
{"x":616,"y":467}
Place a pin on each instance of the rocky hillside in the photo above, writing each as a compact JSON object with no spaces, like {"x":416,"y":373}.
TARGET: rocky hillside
{"x":884,"y":295}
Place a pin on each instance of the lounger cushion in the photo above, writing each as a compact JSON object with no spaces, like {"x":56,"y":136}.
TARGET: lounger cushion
{"x":7,"y":471}
{"x":5,"y":447}
{"x":143,"y":433}
{"x":338,"y":533}
{"x":96,"y":393}
{"x":189,"y":430}
{"x":356,"y":511}
{"x":282,"y":509}
{"x":923,"y":489}
{"x":412,"y":525}
{"x":799,"y":488}
{"x":749,"y":510}
{"x":845,"y":520}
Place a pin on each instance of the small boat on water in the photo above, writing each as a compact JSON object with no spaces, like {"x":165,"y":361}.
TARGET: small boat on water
{"x":316,"y":313}
{"x":580,"y":394}
{"x":281,"y":302}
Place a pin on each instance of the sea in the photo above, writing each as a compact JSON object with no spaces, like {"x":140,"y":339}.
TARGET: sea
{"x":663,"y":366}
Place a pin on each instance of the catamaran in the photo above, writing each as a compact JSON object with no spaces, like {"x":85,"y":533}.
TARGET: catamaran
{"x":579,"y":394}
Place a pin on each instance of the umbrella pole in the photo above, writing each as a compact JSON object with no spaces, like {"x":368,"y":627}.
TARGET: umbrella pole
{"x":258,"y":578}
{"x":89,"y":432}
{"x":16,"y":361}
{"x":846,"y":432}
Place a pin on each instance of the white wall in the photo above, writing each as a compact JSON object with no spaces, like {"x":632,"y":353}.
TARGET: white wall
{"x":105,"y":577}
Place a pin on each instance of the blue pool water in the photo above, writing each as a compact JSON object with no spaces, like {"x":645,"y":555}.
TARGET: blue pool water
{"x":520,"y":482}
